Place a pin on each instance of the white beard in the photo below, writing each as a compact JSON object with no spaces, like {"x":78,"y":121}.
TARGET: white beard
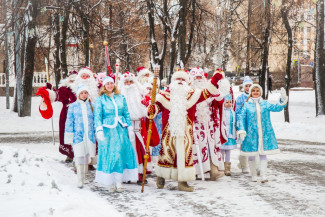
{"x":90,"y":83}
{"x":178,"y":108}
{"x":143,"y":79}
{"x":199,"y":84}
{"x":133,"y":99}
{"x":203,"y":112}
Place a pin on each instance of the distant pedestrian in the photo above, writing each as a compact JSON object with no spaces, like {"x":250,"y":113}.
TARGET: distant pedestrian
{"x":270,"y":83}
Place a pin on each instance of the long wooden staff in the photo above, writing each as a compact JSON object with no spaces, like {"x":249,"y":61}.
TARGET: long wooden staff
{"x":151,"y":116}
{"x":48,"y":80}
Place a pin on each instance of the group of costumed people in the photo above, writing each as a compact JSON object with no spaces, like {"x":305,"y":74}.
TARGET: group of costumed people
{"x":197,"y":122}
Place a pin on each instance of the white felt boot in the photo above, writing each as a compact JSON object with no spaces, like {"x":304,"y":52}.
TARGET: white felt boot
{"x":80,"y":175}
{"x":243,"y":164}
{"x":252,"y":166}
{"x":263,"y":171}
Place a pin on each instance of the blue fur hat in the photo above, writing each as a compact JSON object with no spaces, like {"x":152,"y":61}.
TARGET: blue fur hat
{"x":228,"y":97}
{"x":247,"y":80}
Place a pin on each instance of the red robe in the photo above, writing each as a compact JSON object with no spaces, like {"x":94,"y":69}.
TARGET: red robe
{"x":175,"y":158}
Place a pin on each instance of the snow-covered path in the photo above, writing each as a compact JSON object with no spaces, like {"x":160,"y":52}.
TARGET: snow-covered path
{"x":33,"y":170}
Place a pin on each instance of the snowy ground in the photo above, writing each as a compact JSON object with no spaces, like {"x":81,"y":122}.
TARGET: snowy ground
{"x":34,"y":181}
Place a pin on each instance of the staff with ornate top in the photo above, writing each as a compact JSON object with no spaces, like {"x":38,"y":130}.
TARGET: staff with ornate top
{"x":151,"y":116}
{"x":48,"y":80}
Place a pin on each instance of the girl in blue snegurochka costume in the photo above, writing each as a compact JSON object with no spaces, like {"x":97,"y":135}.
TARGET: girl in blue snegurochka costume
{"x":247,"y":83}
{"x":230,"y":120}
{"x":80,"y":132}
{"x":256,"y":131}
{"x":116,"y":157}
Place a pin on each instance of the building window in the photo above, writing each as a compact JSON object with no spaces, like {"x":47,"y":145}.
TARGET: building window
{"x":308,"y":29}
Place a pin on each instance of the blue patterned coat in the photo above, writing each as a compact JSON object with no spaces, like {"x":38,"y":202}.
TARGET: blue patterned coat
{"x":239,"y":105}
{"x":80,"y":129}
{"x":256,"y":122}
{"x":116,"y":157}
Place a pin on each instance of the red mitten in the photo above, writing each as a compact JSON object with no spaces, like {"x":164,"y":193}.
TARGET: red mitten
{"x":48,"y":113}
{"x":215,"y":78}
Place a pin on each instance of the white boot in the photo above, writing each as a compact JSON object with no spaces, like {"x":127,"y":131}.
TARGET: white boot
{"x":85,"y":167}
{"x":112,"y":188}
{"x":263,"y":171}
{"x":243,"y":164}
{"x":252,"y":166}
{"x":80,"y":175}
{"x":119,"y":187}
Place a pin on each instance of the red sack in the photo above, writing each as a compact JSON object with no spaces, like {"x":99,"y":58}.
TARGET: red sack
{"x":48,"y":113}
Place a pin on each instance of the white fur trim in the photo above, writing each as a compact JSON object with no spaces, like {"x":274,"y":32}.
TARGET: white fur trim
{"x":68,"y":138}
{"x":190,"y":102}
{"x":255,"y":85}
{"x":113,"y":178}
{"x":164,"y":102}
{"x":212,"y":89}
{"x":188,"y":173}
{"x":100,"y":128}
{"x":52,"y":95}
{"x":85,"y":71}
{"x":259,"y":127}
{"x":181,"y":74}
{"x":180,"y":151}
{"x":194,"y":98}
{"x":257,"y":153}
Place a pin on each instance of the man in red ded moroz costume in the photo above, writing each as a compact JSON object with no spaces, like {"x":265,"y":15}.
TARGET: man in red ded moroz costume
{"x":143,"y":75}
{"x":209,"y":128}
{"x":66,"y":96}
{"x":134,"y":94}
{"x":178,"y":107}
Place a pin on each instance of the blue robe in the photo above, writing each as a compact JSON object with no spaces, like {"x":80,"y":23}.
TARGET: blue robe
{"x":231,"y":131}
{"x":116,"y":158}
{"x":158,"y":122}
{"x":239,"y":105}
{"x":80,"y":129}
{"x":255,"y":120}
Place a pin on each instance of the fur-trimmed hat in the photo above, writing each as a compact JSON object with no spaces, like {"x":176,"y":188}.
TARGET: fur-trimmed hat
{"x":197,"y":72}
{"x":81,"y":88}
{"x":181,"y":74}
{"x":108,"y":79}
{"x":128,"y":76}
{"x":143,"y":71}
{"x":85,"y":70}
{"x":253,"y":86}
{"x":100,"y":76}
{"x":247,"y":80}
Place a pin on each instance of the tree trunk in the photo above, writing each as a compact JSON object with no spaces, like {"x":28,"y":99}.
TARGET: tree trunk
{"x":284,"y":15}
{"x":154,"y":55}
{"x":227,"y":44}
{"x":265,"y":48}
{"x":27,"y":86}
{"x":320,"y":61}
{"x":64,"y":30}
{"x":86,"y":39}
{"x":247,"y":68}
{"x":17,"y":51}
{"x":56,"y":54}
{"x":182,"y":34}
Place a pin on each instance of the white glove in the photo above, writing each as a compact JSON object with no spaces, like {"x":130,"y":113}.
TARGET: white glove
{"x":241,"y":134}
{"x":100,"y":135}
{"x":283,"y":93}
{"x":131,"y":134}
